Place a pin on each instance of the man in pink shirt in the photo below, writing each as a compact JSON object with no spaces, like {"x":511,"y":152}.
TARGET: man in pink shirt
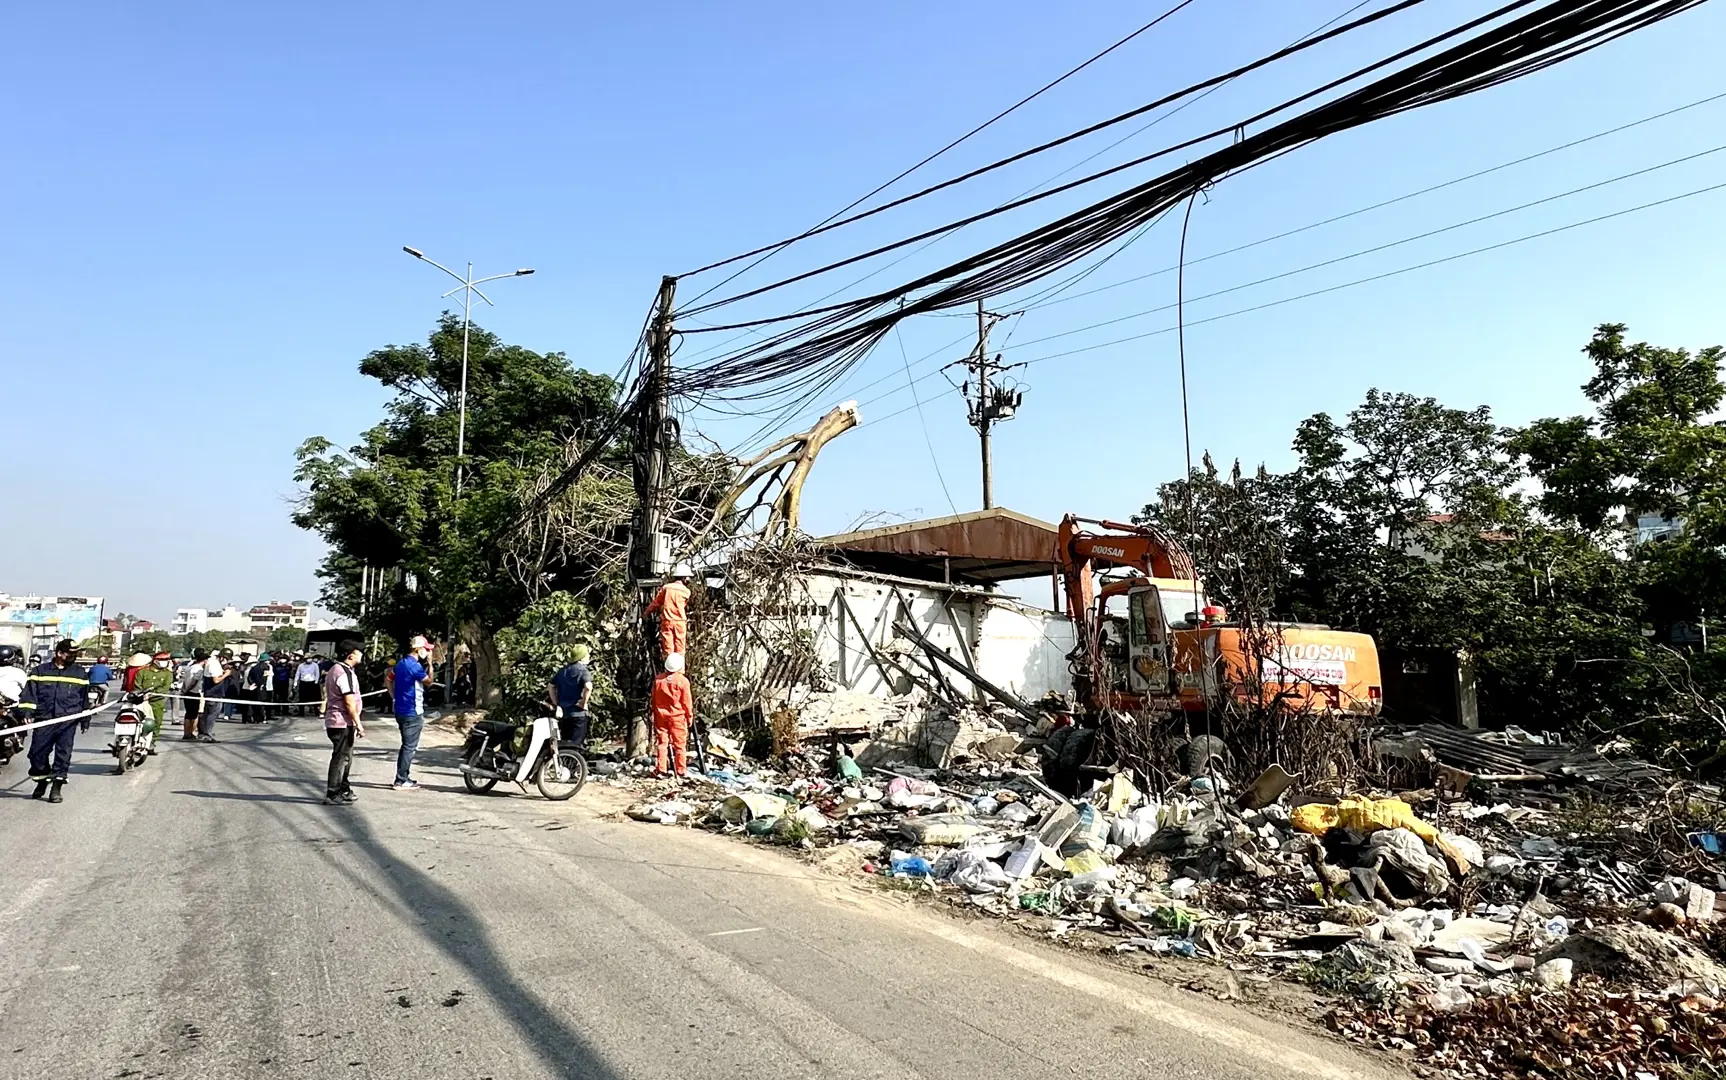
{"x":342,"y":709}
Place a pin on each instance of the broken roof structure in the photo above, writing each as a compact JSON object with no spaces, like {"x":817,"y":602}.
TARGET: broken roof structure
{"x":983,"y":547}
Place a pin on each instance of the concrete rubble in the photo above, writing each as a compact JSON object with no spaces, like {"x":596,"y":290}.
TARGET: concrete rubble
{"x":1440,"y":920}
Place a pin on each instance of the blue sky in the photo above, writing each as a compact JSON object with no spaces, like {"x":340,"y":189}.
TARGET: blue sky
{"x":207,"y":204}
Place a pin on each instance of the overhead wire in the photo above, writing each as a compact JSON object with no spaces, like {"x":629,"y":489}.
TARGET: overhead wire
{"x":934,"y":459}
{"x":1051,"y":144}
{"x":773,"y":249}
{"x":1034,"y":303}
{"x":800,"y":402}
{"x":1326,"y":290}
{"x":813,"y":355}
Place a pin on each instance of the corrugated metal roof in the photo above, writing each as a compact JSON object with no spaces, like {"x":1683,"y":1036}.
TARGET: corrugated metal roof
{"x":984,"y":546}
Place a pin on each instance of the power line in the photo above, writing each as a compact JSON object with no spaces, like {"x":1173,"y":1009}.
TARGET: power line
{"x":1081,"y":133}
{"x":1035,"y":304}
{"x":773,"y":249}
{"x":1339,"y":287}
{"x":910,"y":384}
{"x":1388,"y":244}
{"x":796,"y":404}
{"x":813,"y":355}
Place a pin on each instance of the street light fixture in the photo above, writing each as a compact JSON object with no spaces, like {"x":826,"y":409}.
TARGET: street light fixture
{"x":466,"y":288}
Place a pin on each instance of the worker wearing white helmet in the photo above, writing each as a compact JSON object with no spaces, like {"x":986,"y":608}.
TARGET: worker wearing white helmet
{"x":671,"y":604}
{"x":673,"y":709}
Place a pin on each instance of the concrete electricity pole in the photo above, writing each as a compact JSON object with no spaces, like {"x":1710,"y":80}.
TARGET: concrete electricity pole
{"x":650,"y":547}
{"x":991,"y":404}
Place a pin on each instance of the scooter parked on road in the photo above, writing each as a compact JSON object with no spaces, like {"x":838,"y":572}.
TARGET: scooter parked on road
{"x":498,"y":750}
{"x":134,"y":732}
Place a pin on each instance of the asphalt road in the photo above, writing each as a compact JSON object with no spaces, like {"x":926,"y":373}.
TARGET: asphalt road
{"x":207,"y":916}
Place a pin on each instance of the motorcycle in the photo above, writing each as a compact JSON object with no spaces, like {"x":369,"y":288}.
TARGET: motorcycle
{"x":134,"y":733}
{"x":491,"y":754}
{"x":11,"y":741}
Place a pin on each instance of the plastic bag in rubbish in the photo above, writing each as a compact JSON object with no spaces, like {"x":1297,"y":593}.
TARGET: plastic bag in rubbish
{"x":905,"y":793}
{"x":1402,"y":849}
{"x":912,"y":866}
{"x":982,"y":876}
{"x":1093,"y":881}
{"x":1016,"y":812}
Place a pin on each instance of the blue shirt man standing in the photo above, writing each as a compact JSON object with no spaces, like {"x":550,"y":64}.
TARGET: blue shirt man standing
{"x":569,"y":690}
{"x":410,"y":675}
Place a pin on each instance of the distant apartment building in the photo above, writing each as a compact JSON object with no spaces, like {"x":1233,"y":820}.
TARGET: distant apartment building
{"x":275,"y":615}
{"x":263,"y":619}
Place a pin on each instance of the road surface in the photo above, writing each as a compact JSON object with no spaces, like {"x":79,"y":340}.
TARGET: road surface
{"x":207,"y":916}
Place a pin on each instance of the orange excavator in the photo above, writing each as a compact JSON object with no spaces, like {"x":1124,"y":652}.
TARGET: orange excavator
{"x":1174,"y":651}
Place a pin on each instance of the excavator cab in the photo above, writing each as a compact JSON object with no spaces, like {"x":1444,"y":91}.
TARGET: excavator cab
{"x":1147,"y":643}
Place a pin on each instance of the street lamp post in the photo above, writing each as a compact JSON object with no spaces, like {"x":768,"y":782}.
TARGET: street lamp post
{"x":468,"y":292}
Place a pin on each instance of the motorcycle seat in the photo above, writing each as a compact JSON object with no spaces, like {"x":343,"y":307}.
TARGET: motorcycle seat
{"x":495,"y":727}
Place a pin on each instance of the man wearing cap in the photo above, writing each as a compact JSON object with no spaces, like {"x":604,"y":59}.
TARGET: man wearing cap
{"x":55,"y":689}
{"x":671,"y":604}
{"x":568,"y":691}
{"x":408,"y":679}
{"x":673,"y":709}
{"x":156,"y":680}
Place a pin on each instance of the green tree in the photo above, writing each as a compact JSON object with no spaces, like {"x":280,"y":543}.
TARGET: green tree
{"x":286,"y":638}
{"x":1404,"y":521}
{"x":388,"y":507}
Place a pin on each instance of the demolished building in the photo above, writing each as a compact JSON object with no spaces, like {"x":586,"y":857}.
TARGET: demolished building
{"x":871,"y":609}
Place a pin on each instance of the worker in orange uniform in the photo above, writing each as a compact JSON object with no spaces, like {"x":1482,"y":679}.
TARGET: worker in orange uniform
{"x":671,"y":604}
{"x":673,"y":709}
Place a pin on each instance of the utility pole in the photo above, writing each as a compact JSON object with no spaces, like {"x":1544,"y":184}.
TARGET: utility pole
{"x":991,"y":404}
{"x":653,"y":443}
{"x":650,"y":550}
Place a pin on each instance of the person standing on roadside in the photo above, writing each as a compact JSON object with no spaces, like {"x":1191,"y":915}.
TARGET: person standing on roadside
{"x":192,"y":691}
{"x":282,"y":678}
{"x":342,"y":707}
{"x":569,"y":690}
{"x":411,"y":673}
{"x":54,"y":690}
{"x":214,"y":676}
{"x":308,"y":684}
{"x":673,"y":709}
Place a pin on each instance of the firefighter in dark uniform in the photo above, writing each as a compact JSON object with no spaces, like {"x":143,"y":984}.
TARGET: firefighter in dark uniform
{"x":55,"y":689}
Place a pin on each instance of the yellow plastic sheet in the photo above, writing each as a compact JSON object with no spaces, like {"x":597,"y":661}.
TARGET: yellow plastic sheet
{"x":1361,"y":815}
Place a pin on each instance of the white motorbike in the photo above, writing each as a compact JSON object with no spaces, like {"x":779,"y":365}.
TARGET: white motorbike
{"x":134,"y":733}
{"x":498,"y":750}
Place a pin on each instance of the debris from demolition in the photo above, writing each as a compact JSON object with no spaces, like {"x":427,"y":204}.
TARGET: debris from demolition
{"x":1489,"y":885}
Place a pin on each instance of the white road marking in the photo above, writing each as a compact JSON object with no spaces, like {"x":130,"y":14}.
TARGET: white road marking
{"x":728,"y":933}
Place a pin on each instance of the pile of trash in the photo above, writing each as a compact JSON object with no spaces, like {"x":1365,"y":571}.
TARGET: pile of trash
{"x":1447,"y":923}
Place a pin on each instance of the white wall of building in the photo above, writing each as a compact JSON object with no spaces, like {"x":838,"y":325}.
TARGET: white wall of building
{"x":846,"y":616}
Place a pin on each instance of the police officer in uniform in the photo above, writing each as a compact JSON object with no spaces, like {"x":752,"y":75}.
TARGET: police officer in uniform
{"x":53,"y":690}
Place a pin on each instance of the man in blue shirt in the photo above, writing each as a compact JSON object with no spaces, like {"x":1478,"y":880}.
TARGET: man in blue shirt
{"x":100,"y":676}
{"x":569,"y":690}
{"x":410,"y":675}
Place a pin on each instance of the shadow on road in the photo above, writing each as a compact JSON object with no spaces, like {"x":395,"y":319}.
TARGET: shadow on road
{"x":241,"y":796}
{"x":551,"y":1038}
